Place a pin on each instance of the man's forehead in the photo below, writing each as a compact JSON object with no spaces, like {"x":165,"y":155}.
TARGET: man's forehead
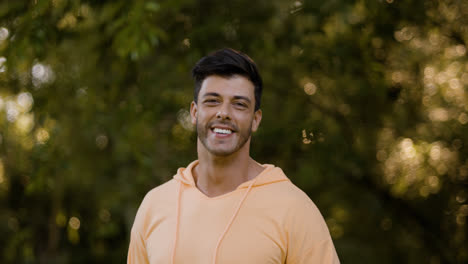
{"x":229,"y":85}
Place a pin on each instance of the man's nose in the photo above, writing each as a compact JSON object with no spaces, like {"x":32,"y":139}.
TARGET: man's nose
{"x":223,"y":113}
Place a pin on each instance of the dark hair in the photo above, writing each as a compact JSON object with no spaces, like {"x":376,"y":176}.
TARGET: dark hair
{"x":227,"y":62}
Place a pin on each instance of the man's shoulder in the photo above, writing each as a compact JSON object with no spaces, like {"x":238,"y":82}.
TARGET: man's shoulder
{"x":291,"y":193}
{"x":298,"y":209}
{"x":291,"y":198}
{"x":157,"y":199}
{"x":161,"y":193}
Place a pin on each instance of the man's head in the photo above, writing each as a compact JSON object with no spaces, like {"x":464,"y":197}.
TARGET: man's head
{"x":227,"y":63}
{"x":226,"y":102}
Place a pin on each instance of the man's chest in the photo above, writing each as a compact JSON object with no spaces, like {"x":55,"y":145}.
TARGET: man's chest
{"x":253,"y":237}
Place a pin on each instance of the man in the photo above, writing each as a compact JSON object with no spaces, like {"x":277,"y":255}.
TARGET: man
{"x":225,"y":207}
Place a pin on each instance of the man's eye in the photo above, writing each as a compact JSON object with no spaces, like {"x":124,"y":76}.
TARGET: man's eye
{"x":241,"y":105}
{"x":211,"y":101}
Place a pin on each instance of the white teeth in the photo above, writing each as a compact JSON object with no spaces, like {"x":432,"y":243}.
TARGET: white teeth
{"x":222,"y":131}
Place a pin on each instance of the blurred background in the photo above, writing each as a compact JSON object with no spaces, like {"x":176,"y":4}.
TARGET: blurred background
{"x":365,"y":108}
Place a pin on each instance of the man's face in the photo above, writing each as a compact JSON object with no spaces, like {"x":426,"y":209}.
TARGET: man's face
{"x":224,"y":114}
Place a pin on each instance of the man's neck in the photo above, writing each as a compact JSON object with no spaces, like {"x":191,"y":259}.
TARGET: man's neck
{"x":215,"y":175}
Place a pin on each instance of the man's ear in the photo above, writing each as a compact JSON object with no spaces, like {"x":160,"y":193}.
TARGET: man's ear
{"x":193,"y":112}
{"x":256,"y":120}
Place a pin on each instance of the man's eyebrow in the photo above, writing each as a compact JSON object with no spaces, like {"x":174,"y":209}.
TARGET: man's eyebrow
{"x":211,"y":94}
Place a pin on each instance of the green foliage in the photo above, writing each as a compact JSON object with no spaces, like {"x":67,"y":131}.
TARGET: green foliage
{"x":366,"y":102}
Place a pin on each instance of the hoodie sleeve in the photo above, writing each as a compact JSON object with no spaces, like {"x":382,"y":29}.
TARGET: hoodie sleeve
{"x":137,"y":250}
{"x":309,"y":240}
{"x":137,"y":253}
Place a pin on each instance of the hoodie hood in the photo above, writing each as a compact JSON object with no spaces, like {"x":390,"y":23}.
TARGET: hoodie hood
{"x":270,"y":174}
{"x":184,"y":177}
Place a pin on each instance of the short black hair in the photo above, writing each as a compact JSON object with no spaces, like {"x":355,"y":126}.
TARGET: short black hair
{"x":226,"y":63}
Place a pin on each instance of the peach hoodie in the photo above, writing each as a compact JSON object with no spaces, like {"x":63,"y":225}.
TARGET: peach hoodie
{"x":265,"y":220}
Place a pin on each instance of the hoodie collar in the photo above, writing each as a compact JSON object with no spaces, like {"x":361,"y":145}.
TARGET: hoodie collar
{"x":270,"y":174}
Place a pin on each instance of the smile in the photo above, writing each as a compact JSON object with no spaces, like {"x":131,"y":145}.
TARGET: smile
{"x":222,"y":131}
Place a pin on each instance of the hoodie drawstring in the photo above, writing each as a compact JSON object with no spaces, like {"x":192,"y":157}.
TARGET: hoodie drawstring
{"x":179,"y":192}
{"x":230,"y":222}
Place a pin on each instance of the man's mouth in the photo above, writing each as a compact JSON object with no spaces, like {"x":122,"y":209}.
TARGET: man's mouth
{"x":222,"y":131}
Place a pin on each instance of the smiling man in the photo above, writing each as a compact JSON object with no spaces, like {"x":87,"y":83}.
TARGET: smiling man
{"x":225,"y":207}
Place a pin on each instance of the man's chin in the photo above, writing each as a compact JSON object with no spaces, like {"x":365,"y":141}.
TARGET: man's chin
{"x":221,"y":152}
